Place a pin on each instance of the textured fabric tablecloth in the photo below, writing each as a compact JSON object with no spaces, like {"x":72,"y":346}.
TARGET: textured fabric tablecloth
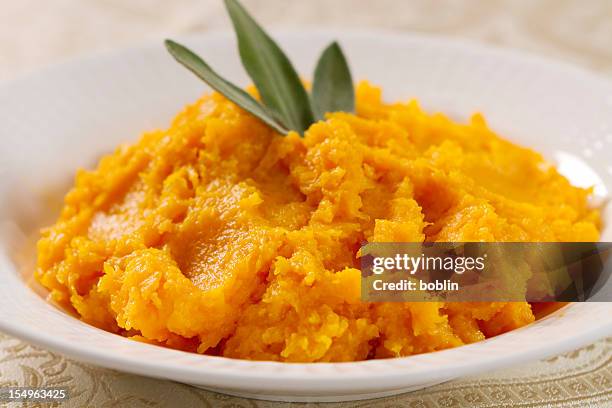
{"x":34,"y":33}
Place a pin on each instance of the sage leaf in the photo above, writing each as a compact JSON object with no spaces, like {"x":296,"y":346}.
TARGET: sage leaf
{"x":332,"y":89}
{"x":232,"y":92}
{"x":274,"y":77}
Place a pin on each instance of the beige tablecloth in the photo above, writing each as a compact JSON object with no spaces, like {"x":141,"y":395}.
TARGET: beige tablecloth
{"x":37,"y":32}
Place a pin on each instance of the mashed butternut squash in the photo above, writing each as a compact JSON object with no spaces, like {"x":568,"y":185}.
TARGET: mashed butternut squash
{"x":220,"y":236}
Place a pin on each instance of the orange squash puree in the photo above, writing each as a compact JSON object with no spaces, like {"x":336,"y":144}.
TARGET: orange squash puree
{"x":222,"y":237}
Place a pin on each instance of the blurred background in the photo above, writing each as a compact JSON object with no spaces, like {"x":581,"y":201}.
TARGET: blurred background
{"x":34,"y":33}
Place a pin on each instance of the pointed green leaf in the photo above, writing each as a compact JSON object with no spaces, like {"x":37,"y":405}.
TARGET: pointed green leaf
{"x":271,"y":71}
{"x":332,"y":89}
{"x":235,"y":94}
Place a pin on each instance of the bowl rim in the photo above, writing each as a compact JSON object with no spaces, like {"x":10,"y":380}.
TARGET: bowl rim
{"x":220,"y":371}
{"x":287,"y":34}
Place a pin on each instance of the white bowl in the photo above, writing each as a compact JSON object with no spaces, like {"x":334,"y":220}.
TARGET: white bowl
{"x":66,"y":116}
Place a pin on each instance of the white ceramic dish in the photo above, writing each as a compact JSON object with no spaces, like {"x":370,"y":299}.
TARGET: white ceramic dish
{"x":66,"y":116}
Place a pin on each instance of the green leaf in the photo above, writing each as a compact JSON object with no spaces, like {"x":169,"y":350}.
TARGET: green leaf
{"x":332,"y":89}
{"x":235,"y":94}
{"x":271,"y":71}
